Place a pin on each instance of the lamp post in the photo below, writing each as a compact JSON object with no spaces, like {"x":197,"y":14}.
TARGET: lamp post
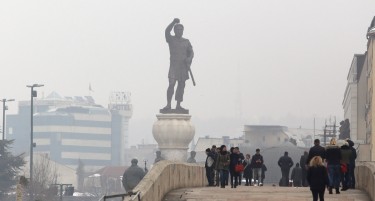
{"x":5,"y":108}
{"x":32,"y":145}
{"x":146,"y":170}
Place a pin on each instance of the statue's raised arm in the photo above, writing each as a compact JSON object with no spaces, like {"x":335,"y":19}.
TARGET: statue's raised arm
{"x":169,"y":29}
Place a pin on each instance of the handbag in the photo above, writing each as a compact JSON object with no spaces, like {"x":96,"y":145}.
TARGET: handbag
{"x":344,"y":168}
{"x":239,"y":167}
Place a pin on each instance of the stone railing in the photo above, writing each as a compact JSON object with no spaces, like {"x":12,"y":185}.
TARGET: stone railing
{"x":365,"y":178}
{"x":165,"y":176}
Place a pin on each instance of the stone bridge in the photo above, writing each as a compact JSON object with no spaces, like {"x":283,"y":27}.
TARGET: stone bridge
{"x":174,"y":181}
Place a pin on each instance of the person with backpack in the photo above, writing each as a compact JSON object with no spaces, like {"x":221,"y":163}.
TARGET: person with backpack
{"x":209,"y":165}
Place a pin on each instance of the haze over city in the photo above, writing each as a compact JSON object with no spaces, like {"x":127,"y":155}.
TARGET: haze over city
{"x":256,"y":62}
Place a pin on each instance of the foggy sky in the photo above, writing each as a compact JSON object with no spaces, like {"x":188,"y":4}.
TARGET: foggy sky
{"x":256,"y":62}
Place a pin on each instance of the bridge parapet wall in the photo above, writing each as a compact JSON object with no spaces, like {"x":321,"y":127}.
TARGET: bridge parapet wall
{"x":365,"y":177}
{"x":165,"y":176}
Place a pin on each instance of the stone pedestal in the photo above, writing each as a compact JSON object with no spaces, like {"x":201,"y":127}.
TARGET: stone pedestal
{"x":173,"y":132}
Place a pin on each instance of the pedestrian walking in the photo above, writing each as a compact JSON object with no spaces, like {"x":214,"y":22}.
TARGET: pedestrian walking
{"x":346,"y":154}
{"x":333,"y":158}
{"x":317,"y":178}
{"x":297,"y":176}
{"x":132,"y":176}
{"x":285,"y":163}
{"x":247,"y":174}
{"x":234,"y":160}
{"x":303,"y":162}
{"x":256,"y":165}
{"x":223,"y":165}
{"x":316,"y":150}
{"x":351,"y":182}
{"x":209,"y":166}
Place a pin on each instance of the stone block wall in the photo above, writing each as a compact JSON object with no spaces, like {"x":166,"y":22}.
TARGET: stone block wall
{"x":365,"y":178}
{"x":165,"y":176}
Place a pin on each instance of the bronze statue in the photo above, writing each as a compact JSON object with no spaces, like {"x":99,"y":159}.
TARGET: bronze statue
{"x":191,"y":159}
{"x":344,"y":130}
{"x":158,"y":157}
{"x":181,"y":56}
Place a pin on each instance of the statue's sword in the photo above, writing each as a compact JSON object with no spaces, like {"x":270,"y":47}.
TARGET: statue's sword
{"x":191,"y":73}
{"x":192,"y":76}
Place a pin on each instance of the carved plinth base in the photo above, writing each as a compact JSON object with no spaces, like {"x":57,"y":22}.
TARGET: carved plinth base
{"x":173,"y":132}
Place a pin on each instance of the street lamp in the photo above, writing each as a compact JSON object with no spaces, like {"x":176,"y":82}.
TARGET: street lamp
{"x":5,"y":108}
{"x":146,"y":170}
{"x":32,"y":145}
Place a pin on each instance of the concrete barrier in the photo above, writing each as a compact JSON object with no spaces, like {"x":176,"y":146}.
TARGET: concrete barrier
{"x":169,"y":175}
{"x":365,"y":178}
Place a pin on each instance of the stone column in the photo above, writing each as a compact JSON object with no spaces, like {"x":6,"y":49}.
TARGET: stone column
{"x":173,"y":132}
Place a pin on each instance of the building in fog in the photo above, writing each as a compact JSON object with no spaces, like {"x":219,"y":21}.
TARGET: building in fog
{"x":206,"y":142}
{"x":265,"y":135}
{"x":73,"y":128}
{"x":350,"y":102}
{"x":358,"y":102}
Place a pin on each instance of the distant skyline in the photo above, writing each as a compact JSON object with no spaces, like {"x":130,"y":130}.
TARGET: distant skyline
{"x":256,"y":62}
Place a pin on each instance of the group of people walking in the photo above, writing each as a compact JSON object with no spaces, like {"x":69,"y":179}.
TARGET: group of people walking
{"x":320,"y":168}
{"x":338,"y":168}
{"x":222,"y":165}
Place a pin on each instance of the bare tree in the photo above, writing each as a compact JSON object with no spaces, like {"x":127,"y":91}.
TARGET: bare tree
{"x":45,"y":173}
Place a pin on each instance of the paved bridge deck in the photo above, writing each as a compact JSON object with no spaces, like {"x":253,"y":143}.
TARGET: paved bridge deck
{"x":256,"y":193}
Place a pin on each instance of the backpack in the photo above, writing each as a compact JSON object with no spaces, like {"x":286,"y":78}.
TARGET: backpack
{"x":210,"y":161}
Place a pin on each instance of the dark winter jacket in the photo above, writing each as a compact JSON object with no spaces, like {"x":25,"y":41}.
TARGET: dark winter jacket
{"x":132,"y":176}
{"x":247,"y":173}
{"x":296,"y":175}
{"x":234,"y":160}
{"x":242,"y":157}
{"x":303,"y":161}
{"x":223,"y":161}
{"x":285,"y":162}
{"x":257,"y":161}
{"x":346,"y":154}
{"x":333,"y":154}
{"x":353,"y":157}
{"x":316,"y":150}
{"x":317,"y":178}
